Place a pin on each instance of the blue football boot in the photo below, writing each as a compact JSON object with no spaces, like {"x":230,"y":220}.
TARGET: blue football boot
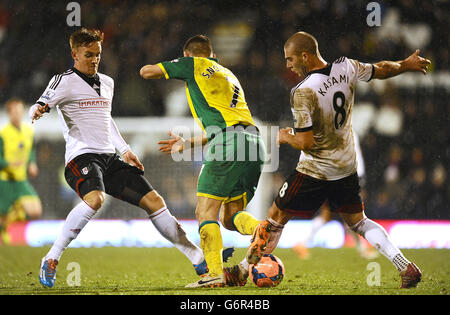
{"x":47,"y":274}
{"x":202,"y":268}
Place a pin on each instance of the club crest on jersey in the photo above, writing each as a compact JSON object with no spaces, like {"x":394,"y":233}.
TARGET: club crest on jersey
{"x":94,"y":103}
{"x":85,"y":171}
{"x":48,"y":95}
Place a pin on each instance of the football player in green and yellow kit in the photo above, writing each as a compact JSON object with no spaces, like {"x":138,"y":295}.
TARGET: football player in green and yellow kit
{"x":18,"y":200}
{"x":235,"y":155}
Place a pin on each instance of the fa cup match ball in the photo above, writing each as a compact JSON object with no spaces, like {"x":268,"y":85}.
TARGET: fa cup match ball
{"x":268,"y":272}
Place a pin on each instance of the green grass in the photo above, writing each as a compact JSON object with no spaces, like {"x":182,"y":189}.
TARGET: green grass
{"x":166,"y":271}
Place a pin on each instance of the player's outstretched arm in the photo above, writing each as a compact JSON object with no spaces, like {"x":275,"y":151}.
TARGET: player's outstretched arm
{"x":389,"y":69}
{"x":151,"y":72}
{"x":178,"y":144}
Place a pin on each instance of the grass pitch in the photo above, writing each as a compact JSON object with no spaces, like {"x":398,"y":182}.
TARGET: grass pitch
{"x":165,"y":271}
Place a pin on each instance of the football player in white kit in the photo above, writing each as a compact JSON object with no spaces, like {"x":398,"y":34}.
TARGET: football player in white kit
{"x":83,"y":99}
{"x":322,"y":105}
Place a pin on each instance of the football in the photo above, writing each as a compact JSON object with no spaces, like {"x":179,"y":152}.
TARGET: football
{"x":269,"y":272}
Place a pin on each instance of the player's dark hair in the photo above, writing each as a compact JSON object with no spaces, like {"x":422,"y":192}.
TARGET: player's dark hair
{"x":198,"y":45}
{"x":84,"y":37}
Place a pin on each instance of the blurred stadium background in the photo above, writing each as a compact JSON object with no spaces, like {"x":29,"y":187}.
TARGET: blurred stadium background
{"x":403,"y":123}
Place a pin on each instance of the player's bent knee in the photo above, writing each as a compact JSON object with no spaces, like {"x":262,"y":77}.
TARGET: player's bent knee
{"x":152,"y":202}
{"x":95,"y":199}
{"x":353,"y":219}
{"x":205,"y":214}
{"x":207,"y":209}
{"x":227,"y":221}
{"x":228,"y":211}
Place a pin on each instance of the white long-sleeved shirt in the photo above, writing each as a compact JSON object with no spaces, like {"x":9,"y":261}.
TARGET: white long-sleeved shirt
{"x":323,"y":103}
{"x":84,"y":108}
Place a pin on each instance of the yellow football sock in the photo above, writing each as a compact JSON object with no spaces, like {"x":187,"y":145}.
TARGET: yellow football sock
{"x":245,"y":223}
{"x":212,"y":245}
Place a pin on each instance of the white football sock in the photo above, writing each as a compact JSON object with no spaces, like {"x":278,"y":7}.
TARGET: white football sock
{"x":75,"y":222}
{"x":377,"y":236}
{"x":168,"y":226}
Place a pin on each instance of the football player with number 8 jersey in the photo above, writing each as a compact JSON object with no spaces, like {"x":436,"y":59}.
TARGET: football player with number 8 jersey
{"x":322,"y":105}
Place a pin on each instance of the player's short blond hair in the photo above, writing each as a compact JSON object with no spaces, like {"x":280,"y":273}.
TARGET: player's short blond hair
{"x":303,"y":41}
{"x":84,"y":37}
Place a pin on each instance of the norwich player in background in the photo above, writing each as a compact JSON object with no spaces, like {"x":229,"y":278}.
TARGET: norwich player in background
{"x":225,"y":186}
{"x":18,"y":200}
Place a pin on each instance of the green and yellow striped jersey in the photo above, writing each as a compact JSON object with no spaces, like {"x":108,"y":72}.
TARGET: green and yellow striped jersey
{"x":16,"y":152}
{"x":214,"y":94}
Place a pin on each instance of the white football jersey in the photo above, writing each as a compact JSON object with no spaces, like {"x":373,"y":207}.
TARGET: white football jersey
{"x":84,"y":110}
{"x":323,"y":102}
